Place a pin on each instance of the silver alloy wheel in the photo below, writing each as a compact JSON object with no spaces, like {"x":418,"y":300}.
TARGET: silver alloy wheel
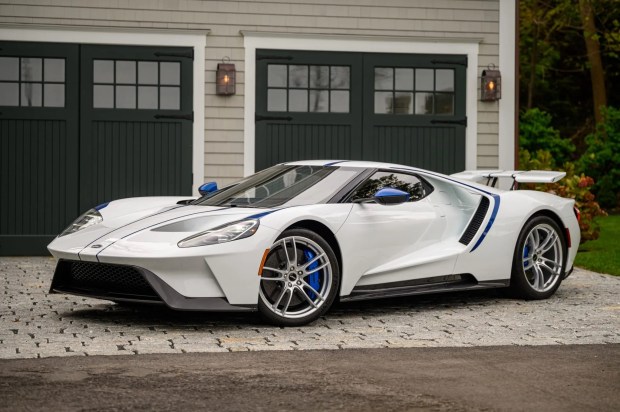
{"x":285,"y":289}
{"x":543,"y":257}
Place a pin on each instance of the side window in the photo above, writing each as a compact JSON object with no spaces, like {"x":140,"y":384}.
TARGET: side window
{"x":405,"y":182}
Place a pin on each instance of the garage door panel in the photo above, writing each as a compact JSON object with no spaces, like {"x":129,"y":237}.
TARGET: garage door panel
{"x":135,"y":159}
{"x":433,"y":148}
{"x":38,"y":145}
{"x":302,"y":142}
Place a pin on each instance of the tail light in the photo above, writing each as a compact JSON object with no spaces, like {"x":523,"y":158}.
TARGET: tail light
{"x":577,"y":213}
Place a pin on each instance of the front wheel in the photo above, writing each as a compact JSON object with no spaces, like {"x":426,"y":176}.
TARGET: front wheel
{"x":300,"y":279}
{"x":539,"y":260}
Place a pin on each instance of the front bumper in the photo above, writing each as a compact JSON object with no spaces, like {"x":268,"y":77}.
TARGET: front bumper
{"x":126,"y":283}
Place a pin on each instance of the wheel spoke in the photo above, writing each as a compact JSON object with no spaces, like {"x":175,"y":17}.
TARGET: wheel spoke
{"x":535,"y":239}
{"x":549,"y":242}
{"x":539,"y":279}
{"x":278,"y":279}
{"x":313,"y":290}
{"x":527,"y":263}
{"x":275,"y":305}
{"x":288,"y":302}
{"x":310,"y":301}
{"x":311,"y":261}
{"x":552,"y":265}
{"x":311,"y":271}
{"x":288,"y":259}
{"x":294,"y":250}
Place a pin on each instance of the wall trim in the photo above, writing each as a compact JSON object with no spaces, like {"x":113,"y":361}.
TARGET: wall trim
{"x":83,"y":35}
{"x":507,"y":104}
{"x":367,"y":44}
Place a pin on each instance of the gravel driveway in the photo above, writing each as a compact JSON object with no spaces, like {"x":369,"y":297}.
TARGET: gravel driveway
{"x":585,"y":310}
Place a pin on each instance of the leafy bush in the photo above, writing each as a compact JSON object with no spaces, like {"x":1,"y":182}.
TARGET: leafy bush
{"x":602,"y":158}
{"x":537,"y":133}
{"x":574,"y":186}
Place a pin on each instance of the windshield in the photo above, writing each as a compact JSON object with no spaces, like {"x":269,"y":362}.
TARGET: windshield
{"x":282,"y":185}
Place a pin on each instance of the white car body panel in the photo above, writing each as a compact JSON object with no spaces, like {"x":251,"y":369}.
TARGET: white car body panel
{"x":377,"y":244}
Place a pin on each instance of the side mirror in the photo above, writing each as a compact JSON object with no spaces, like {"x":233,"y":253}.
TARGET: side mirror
{"x":391,"y":196}
{"x":207,"y":188}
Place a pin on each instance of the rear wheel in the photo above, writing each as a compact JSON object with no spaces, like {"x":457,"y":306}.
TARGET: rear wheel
{"x":300,"y":279}
{"x":539,"y":260}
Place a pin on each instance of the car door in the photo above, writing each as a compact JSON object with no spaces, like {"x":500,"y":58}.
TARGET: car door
{"x":383,"y":244}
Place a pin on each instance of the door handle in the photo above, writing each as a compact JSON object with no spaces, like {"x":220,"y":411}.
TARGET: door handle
{"x":176,"y":116}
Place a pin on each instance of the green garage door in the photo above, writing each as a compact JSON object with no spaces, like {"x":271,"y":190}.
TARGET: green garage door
{"x":407,"y":109}
{"x":82,"y":125}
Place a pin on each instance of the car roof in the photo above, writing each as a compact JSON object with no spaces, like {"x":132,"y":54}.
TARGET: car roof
{"x":350,"y":163}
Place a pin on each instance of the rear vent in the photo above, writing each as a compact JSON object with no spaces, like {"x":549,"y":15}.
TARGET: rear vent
{"x":476,"y":221}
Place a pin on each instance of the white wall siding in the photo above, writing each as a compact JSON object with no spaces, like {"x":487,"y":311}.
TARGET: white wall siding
{"x":224,"y":116}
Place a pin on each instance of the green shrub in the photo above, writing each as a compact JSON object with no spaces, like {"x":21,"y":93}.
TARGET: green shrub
{"x":574,"y":186}
{"x":537,"y":133}
{"x":602,"y":159}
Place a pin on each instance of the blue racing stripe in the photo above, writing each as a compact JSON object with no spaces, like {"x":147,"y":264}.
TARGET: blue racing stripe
{"x":336,"y":162}
{"x":491,"y":221}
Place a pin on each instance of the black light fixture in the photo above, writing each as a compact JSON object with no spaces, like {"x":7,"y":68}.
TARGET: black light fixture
{"x":225,"y":79}
{"x":491,"y":85}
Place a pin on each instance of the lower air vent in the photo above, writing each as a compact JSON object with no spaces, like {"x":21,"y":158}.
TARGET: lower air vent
{"x":101,"y":279}
{"x":476,"y":221}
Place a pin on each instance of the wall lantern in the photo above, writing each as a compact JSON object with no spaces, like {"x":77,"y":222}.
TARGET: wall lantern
{"x":225,"y":79}
{"x":491,"y":85}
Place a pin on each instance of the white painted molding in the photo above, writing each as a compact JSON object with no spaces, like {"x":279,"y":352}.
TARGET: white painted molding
{"x":507,"y":39}
{"x":364,"y":44}
{"x":136,"y":38}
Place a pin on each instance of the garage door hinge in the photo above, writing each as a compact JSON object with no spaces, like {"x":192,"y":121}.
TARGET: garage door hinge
{"x":460,"y":62}
{"x":189,"y":116}
{"x":271,"y":57}
{"x":187,"y":54}
{"x":460,"y":122}
{"x":259,"y":118}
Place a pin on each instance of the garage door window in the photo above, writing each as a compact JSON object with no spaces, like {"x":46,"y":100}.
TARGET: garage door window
{"x":132,"y":84}
{"x":414,"y":91}
{"x":308,"y":88}
{"x":32,"y":82}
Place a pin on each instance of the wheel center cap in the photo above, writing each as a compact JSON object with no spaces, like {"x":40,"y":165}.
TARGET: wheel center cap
{"x":292,"y":277}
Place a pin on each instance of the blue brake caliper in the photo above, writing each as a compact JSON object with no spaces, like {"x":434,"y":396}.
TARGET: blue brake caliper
{"x":313,"y":278}
{"x":526,"y":252}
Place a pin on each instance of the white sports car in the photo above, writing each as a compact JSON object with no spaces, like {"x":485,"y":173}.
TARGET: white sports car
{"x":291,"y":239}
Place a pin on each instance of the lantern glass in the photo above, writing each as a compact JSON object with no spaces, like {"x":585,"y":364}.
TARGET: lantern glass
{"x":225,"y":79}
{"x":491,"y":86}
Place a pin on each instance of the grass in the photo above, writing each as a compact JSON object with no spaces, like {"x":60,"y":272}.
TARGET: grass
{"x":603,"y":254}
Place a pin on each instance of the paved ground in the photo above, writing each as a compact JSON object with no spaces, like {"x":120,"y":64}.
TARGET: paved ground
{"x":525,"y":378}
{"x":586,"y":310}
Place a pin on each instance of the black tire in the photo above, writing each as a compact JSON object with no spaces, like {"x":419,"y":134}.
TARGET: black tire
{"x":271,"y":290}
{"x":525,"y":281}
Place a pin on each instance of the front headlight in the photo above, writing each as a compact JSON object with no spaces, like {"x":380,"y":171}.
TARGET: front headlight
{"x":92,"y":217}
{"x":222,"y":234}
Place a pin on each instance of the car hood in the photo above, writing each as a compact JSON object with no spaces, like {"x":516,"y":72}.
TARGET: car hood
{"x":156,"y":218}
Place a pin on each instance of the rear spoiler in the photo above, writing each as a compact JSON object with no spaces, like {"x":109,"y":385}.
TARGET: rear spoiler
{"x":490,"y":177}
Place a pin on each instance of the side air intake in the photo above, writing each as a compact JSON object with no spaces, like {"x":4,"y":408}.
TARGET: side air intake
{"x":476,"y":221}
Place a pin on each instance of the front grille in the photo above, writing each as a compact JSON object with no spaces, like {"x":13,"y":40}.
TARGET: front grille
{"x":476,"y":221}
{"x":102,"y":278}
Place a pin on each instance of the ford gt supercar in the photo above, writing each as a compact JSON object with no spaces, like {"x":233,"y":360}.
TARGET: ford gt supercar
{"x":289,"y":240}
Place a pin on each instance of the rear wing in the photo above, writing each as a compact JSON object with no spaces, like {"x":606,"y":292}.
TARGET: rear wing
{"x":491,"y":177}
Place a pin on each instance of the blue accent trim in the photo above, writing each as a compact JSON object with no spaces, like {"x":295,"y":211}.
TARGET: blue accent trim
{"x":391,"y":192}
{"x":207,"y":188}
{"x":491,"y":221}
{"x":334,"y":163}
{"x":101,"y":206}
{"x":259,"y":215}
